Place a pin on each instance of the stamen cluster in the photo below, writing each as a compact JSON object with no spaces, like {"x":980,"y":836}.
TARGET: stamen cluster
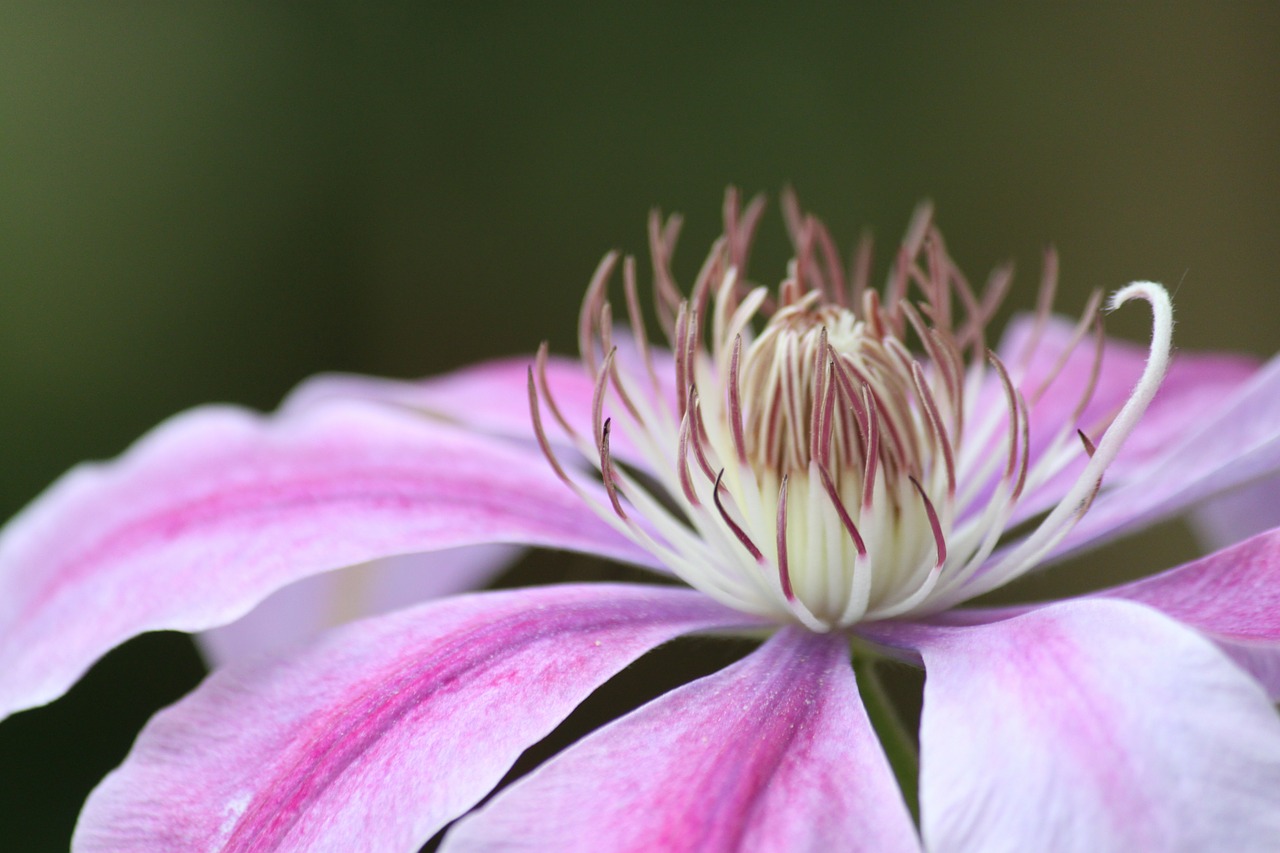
{"x":833,"y":453}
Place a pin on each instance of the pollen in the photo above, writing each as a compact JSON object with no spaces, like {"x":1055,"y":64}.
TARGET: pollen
{"x":826,"y":452}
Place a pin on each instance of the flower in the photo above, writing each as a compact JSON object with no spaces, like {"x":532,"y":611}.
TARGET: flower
{"x":824,"y":465}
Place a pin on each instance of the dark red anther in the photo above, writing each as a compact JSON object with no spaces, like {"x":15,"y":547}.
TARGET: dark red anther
{"x":731,"y":524}
{"x":607,"y":473}
{"x":845,"y":518}
{"x":939,"y":540}
{"x":1089,"y":446}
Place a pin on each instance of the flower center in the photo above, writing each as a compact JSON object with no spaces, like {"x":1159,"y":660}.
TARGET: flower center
{"x":811,"y":464}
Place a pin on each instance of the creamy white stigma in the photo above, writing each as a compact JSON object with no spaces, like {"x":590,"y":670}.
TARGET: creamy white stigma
{"x":833,"y":454}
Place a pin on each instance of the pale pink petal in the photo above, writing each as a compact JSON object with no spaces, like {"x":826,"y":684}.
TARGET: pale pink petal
{"x":1195,"y":384}
{"x":1092,"y":725}
{"x":304,"y":609}
{"x":1238,"y":514}
{"x":1235,"y":443}
{"x":493,"y":396}
{"x":772,"y":753}
{"x":384,"y":730}
{"x":1233,"y":596}
{"x":218,"y":508}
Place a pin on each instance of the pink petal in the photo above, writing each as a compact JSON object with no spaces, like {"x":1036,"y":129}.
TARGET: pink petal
{"x":1231,"y":445}
{"x":772,"y":753}
{"x":1233,"y":596}
{"x":493,"y":397}
{"x":1238,"y":514}
{"x":218,"y":508}
{"x":303,"y":609}
{"x":380,"y":733}
{"x":1196,"y":383}
{"x":1095,"y":725}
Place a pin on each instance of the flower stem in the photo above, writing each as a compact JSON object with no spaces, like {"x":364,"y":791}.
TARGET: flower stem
{"x":899,"y":747}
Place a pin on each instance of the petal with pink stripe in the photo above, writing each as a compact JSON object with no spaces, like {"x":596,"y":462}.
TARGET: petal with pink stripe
{"x":492,"y":396}
{"x":377,"y":735}
{"x":1092,"y":725}
{"x":218,"y":508}
{"x":310,"y":606}
{"x":1233,"y":596}
{"x":1196,"y":384}
{"x":772,"y":753}
{"x":1237,"y":442}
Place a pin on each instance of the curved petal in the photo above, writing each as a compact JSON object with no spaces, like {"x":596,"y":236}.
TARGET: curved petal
{"x":380,"y":733}
{"x":772,"y":753}
{"x":1233,"y":596}
{"x":1094,"y":725}
{"x":304,"y":609}
{"x":217,"y":508}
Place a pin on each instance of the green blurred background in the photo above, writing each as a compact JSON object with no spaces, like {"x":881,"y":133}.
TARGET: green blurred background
{"x":210,"y":203}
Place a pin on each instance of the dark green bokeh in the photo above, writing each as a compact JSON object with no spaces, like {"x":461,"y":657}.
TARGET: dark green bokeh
{"x":209,"y":203}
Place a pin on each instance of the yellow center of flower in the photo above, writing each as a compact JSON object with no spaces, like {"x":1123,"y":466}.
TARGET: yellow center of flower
{"x":834,"y":453}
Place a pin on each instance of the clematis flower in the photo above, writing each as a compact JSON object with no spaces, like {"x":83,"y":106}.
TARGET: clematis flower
{"x":830,"y":466}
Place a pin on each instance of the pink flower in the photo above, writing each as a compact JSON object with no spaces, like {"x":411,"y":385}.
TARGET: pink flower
{"x":827,"y":465}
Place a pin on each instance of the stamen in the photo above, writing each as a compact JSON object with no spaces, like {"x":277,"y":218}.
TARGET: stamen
{"x":1024,"y":437}
{"x":819,"y":395}
{"x":607,"y":472}
{"x":597,"y":396}
{"x":819,"y":383}
{"x":1012,"y":401}
{"x":1072,"y":505}
{"x":540,"y":364}
{"x":636,"y":316}
{"x":682,"y":380}
{"x":615,"y":379}
{"x":935,"y":426}
{"x":1086,"y":319}
{"x":784,"y":574}
{"x":591,"y":304}
{"x":841,"y":511}
{"x":733,"y":525}
{"x":1044,"y":305}
{"x":540,"y":434}
{"x":697,"y":431}
{"x":735,"y":401}
{"x":747,"y":229}
{"x":873,"y":446}
{"x":662,"y":240}
{"x":1089,"y":447}
{"x":973,"y":335}
{"x":831,"y":260}
{"x":939,"y":541}
{"x":682,"y":463}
